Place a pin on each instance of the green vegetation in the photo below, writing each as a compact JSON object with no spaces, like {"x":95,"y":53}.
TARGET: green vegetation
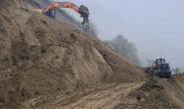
{"x":61,"y":45}
{"x":126,"y":48}
{"x":177,"y":70}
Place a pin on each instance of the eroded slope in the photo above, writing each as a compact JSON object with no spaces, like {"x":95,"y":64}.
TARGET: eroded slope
{"x":41,"y":57}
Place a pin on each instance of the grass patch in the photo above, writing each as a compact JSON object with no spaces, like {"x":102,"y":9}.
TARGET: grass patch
{"x":2,"y":100}
{"x":61,"y":45}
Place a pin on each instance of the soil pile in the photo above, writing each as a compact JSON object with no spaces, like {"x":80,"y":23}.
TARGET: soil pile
{"x":153,"y":95}
{"x":157,"y":94}
{"x":42,"y":59}
{"x":175,"y":89}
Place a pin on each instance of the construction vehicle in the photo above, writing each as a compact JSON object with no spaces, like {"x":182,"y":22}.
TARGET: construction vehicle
{"x":160,"y":68}
{"x":50,"y":10}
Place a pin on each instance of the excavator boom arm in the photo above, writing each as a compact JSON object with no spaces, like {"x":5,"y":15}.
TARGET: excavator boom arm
{"x":62,"y":5}
{"x":82,"y":10}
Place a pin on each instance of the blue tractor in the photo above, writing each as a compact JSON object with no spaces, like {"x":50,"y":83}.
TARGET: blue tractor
{"x":161,"y":68}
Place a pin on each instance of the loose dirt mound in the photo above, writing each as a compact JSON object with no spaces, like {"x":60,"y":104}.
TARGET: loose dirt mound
{"x":158,"y":94}
{"x":152,"y":95}
{"x":42,"y":59}
{"x":175,"y":89}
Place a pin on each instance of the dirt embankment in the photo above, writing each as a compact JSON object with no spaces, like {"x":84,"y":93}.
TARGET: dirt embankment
{"x":158,"y":94}
{"x":175,"y":89}
{"x":47,"y":64}
{"x":42,"y":59}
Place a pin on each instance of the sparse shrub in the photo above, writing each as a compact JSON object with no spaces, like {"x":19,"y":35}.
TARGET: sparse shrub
{"x":61,"y":45}
{"x":2,"y":100}
{"x":2,"y":28}
{"x":177,"y":70}
{"x":25,"y":93}
{"x":36,"y":93}
{"x":22,"y":35}
{"x":58,"y":89}
{"x":24,"y":57}
{"x":40,"y":32}
{"x":57,"y":57}
{"x":45,"y":47}
{"x":44,"y":22}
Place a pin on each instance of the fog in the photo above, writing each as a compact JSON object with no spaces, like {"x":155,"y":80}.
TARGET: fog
{"x":156,"y":27}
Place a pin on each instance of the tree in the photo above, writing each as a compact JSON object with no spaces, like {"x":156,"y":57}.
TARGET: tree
{"x":177,"y":70}
{"x":126,"y":48}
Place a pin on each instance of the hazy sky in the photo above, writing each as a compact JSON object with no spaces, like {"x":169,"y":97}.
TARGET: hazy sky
{"x":156,"y":27}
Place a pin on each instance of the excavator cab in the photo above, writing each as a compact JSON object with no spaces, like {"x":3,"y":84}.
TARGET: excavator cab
{"x":51,"y":13}
{"x":160,"y":61}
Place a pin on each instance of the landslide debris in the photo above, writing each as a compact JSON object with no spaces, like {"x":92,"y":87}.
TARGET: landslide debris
{"x":42,"y":59}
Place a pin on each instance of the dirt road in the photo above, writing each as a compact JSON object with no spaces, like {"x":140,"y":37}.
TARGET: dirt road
{"x":106,"y":99}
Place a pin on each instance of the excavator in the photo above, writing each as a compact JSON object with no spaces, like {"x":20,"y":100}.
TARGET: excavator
{"x":50,"y":10}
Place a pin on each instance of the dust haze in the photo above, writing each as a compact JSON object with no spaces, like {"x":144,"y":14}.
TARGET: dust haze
{"x":154,"y":26}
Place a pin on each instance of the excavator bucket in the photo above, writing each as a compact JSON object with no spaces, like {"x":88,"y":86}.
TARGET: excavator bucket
{"x":84,"y":12}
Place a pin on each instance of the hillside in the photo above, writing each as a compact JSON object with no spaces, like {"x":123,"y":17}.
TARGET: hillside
{"x":51,"y":64}
{"x":43,"y":60}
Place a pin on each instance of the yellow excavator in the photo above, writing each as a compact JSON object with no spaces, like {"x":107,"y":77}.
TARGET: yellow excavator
{"x":50,"y":10}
